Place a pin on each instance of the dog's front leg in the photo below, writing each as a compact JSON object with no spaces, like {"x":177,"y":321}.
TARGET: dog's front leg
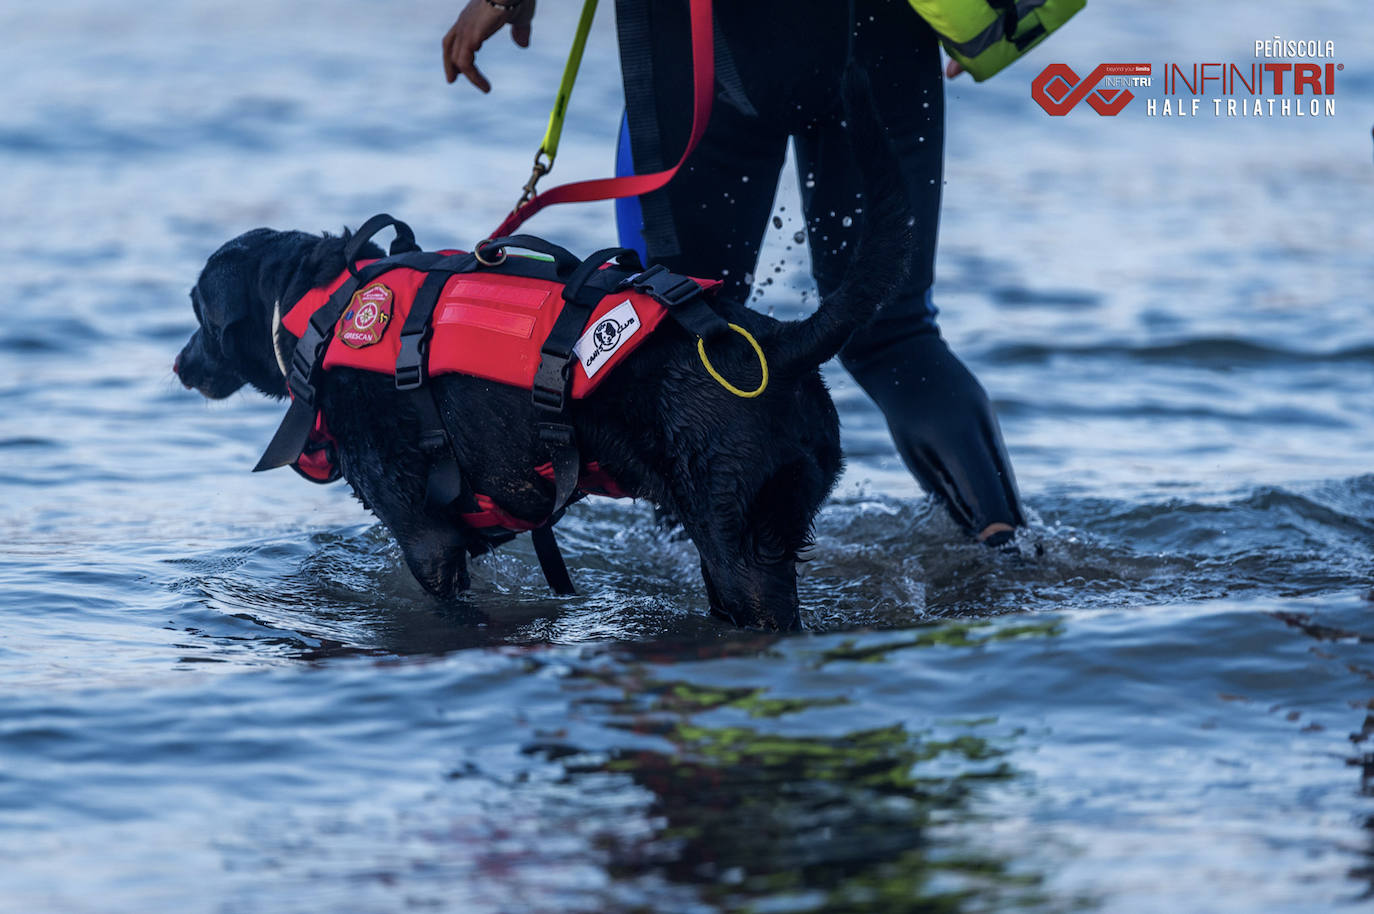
{"x":435,"y":553}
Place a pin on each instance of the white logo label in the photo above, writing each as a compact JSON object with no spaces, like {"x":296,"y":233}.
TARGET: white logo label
{"x":367,"y":316}
{"x":605,"y":336}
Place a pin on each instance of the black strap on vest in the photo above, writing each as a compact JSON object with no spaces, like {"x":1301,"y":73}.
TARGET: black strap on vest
{"x":301,"y":380}
{"x":446,"y":491}
{"x":552,"y":388}
{"x":683,"y":298}
{"x":551,"y":560}
{"x":307,"y":359}
{"x":412,"y":362}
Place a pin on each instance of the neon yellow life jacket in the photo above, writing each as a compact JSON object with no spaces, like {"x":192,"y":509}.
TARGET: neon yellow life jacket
{"x":987,"y":35}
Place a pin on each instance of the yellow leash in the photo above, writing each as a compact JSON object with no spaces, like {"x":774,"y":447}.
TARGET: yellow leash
{"x":548,"y":147}
{"x":720,"y":379}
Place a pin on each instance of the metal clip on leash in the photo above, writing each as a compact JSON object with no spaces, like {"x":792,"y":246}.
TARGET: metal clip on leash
{"x":540,"y":169}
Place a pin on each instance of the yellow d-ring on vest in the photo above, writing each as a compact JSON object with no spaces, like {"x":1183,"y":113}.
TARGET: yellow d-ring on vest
{"x":720,"y":379}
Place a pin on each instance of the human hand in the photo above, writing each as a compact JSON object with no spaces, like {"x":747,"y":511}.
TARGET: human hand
{"x":952,"y":69}
{"x":478,"y":21}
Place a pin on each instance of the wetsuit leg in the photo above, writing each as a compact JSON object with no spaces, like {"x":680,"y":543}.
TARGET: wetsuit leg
{"x":940,"y":417}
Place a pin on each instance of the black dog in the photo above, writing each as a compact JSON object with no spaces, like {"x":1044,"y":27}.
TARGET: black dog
{"x":744,"y":477}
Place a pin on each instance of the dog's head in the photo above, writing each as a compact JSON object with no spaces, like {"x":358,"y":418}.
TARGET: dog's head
{"x":747,"y":476}
{"x":768,"y":464}
{"x":238,"y":302}
{"x":760,"y":507}
{"x":744,"y":476}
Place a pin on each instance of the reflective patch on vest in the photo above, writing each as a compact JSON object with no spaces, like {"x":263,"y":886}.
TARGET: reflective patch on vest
{"x":367,"y":316}
{"x":604,"y":338}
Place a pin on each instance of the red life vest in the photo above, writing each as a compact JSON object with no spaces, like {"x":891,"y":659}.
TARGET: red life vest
{"x":485,"y":324}
{"x":488,"y":325}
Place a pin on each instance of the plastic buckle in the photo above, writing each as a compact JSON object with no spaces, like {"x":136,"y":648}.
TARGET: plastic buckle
{"x":409,"y":377}
{"x":298,"y":380}
{"x":410,"y":362}
{"x":668,"y":288}
{"x":433,"y":440}
{"x":640,"y":281}
{"x":646,"y":273}
{"x":302,"y":367}
{"x":302,"y":391}
{"x":679,"y":293}
{"x":556,"y":434}
{"x":550,"y":381}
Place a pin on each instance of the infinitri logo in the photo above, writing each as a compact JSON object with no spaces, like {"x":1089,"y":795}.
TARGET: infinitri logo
{"x":1107,"y":88}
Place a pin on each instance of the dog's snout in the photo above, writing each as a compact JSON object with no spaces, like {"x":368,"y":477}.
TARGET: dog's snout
{"x":176,"y":370}
{"x":199,"y":370}
{"x":179,"y":369}
{"x":762,"y":598}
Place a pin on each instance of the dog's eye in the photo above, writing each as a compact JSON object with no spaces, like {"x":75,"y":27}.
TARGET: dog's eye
{"x":771,"y":550}
{"x":213,"y":331}
{"x":781,"y":514}
{"x":772,"y":545}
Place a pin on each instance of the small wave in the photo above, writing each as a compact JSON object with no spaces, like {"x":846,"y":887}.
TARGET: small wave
{"x":892,"y":563}
{"x":1022,"y":297}
{"x":878,"y":562}
{"x":27,"y":442}
{"x":1218,"y":351}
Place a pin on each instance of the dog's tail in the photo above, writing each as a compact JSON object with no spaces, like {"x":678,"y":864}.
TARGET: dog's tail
{"x":882,"y":253}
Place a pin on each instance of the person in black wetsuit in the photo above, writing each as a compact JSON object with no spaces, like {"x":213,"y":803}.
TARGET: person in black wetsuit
{"x":778,"y":69}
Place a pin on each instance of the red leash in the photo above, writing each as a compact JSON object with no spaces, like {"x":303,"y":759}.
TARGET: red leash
{"x":703,"y":89}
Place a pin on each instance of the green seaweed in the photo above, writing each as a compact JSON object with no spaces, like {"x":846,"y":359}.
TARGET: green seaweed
{"x":948,"y":634}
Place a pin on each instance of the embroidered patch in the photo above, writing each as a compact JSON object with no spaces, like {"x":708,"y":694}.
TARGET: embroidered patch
{"x":367,"y":316}
{"x":606,"y":336}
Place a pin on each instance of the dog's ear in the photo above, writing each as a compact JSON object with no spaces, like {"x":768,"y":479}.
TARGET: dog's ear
{"x":226,"y":292}
{"x":285,"y":270}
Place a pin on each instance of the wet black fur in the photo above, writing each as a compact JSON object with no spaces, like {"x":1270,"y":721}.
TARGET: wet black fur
{"x":745,"y":477}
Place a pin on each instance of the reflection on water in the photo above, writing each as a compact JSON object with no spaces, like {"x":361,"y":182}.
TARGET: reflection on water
{"x":844,"y":822}
{"x":1362,"y":739}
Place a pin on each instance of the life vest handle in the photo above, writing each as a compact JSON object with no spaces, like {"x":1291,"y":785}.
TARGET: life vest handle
{"x":404,"y":242}
{"x":492,"y":251}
